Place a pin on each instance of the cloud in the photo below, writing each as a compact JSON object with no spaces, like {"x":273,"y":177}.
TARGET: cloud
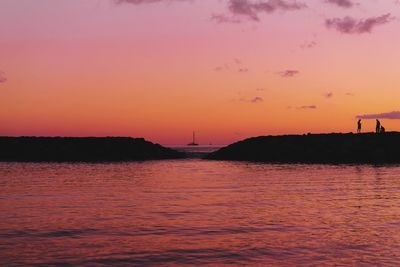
{"x":310,"y":44}
{"x":224,"y":67}
{"x":3,"y":79}
{"x":221,"y":18}
{"x":236,"y":65}
{"x":257,"y":99}
{"x":303,"y":107}
{"x":250,"y":9}
{"x":237,"y":9}
{"x":341,"y":3}
{"x":349,"y":25}
{"x":307,"y":107}
{"x":139,"y":2}
{"x":254,"y":100}
{"x":394,"y":115}
{"x":238,"y":61}
{"x":288,"y":73}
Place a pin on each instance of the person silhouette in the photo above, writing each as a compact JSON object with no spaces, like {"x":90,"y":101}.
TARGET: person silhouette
{"x":359,"y":126}
{"x":383,"y":130}
{"x":378,"y":126}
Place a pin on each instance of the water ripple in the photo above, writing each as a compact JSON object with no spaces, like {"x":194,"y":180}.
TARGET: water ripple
{"x":196,"y":212}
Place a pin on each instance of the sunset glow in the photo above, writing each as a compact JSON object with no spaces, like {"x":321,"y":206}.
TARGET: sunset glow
{"x":225,"y":69}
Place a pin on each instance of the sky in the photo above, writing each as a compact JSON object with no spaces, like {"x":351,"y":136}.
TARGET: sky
{"x":227,"y":69}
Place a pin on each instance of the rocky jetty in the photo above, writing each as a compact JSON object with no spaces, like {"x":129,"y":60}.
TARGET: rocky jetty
{"x":316,"y":148}
{"x":87,"y":149}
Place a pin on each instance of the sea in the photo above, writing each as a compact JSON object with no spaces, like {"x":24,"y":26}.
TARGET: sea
{"x":195,"y":212}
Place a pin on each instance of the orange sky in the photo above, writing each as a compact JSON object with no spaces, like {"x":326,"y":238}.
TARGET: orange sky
{"x":163,"y":69}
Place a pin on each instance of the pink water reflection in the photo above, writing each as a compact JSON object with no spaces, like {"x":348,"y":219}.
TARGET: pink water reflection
{"x":199,"y":212}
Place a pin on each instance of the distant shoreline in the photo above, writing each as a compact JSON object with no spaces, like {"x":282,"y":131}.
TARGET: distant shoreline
{"x":334,"y":148}
{"x":82,"y":149}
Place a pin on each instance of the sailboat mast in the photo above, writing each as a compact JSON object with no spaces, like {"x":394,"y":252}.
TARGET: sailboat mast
{"x":193,"y":143}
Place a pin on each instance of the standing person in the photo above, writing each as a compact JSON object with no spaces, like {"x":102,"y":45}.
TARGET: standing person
{"x":359,"y":126}
{"x":378,"y":126}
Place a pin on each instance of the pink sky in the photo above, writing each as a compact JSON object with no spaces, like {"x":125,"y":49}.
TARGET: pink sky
{"x":227,"y":69}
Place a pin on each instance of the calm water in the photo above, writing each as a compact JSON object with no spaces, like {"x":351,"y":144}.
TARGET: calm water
{"x":195,"y":212}
{"x":196,"y":151}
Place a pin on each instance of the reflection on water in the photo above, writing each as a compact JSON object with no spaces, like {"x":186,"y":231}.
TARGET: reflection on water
{"x":196,"y":151}
{"x":198,"y":212}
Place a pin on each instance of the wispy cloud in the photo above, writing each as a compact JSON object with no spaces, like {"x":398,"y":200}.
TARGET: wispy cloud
{"x":349,"y":25}
{"x":341,"y":3}
{"x":257,"y":99}
{"x":222,"y":18}
{"x":308,"y":45}
{"x":288,"y":73}
{"x":3,"y":78}
{"x":138,"y":2}
{"x":238,"y":61}
{"x":224,"y":67}
{"x":236,"y":65}
{"x":303,"y":107}
{"x":252,"y":100}
{"x":394,"y":115}
{"x":251,"y":9}
{"x":307,"y":107}
{"x":237,"y":9}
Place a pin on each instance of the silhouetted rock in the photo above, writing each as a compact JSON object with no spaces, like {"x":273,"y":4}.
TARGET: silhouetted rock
{"x":315,"y":148}
{"x":88,"y":149}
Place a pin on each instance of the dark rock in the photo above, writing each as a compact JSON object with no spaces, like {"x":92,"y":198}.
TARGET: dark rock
{"x":315,"y":148}
{"x":87,"y":149}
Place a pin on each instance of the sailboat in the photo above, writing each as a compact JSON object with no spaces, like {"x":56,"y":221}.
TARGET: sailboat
{"x":193,"y":143}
